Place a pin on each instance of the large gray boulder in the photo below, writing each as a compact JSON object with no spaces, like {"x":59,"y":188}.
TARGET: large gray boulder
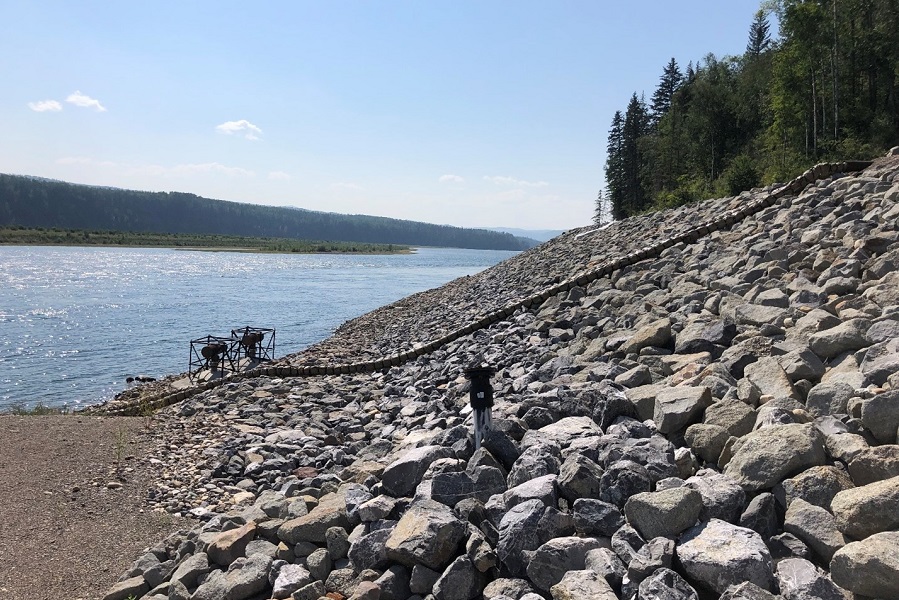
{"x":722,"y":497}
{"x":556,"y":557}
{"x":677,"y":407}
{"x":828,"y":398}
{"x":868,"y":509}
{"x":582,"y":585}
{"x":535,"y":461}
{"x":816,"y":485}
{"x":579,"y":477}
{"x":881,"y":360}
{"x":769,"y":377}
{"x":880,"y":415}
{"x":403,"y":475}
{"x":460,"y":581}
{"x":312,"y":527}
{"x":816,"y":527}
{"x":765,"y":457}
{"x":428,"y":533}
{"x":244,"y":578}
{"x":518,"y":533}
{"x":874,"y":464}
{"x":799,"y":579}
{"x":718,"y":554}
{"x":869,"y":567}
{"x":845,"y":337}
{"x":665,"y":513}
{"x":657,"y":334}
{"x":665,"y":584}
{"x":735,"y":416}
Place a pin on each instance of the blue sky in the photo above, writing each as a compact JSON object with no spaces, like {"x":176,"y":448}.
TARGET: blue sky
{"x":470,"y":113}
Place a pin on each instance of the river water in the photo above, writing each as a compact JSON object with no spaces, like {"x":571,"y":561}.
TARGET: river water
{"x":75,"y":322}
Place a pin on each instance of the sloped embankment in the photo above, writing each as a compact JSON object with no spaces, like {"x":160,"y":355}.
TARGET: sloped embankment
{"x":715,"y":418}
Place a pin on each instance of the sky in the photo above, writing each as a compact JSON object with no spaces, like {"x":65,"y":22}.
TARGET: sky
{"x":475,"y":113}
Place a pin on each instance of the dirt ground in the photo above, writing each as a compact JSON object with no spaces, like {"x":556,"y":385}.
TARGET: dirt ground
{"x":72,"y":511}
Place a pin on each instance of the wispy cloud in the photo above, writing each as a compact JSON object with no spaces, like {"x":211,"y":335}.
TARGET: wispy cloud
{"x":343,"y":185}
{"x":501,"y":180}
{"x":280,"y":176}
{"x":85,"y":101}
{"x":249,"y":131}
{"x":84,"y":160}
{"x":45,"y":106}
{"x":451,"y":179}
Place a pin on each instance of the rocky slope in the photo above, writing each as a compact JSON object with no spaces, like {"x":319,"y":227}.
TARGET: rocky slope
{"x":698,"y":403}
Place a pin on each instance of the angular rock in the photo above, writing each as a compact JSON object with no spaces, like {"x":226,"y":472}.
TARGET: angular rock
{"x":761,"y":516}
{"x":747,"y":591}
{"x":828,"y":399}
{"x":666,"y":584}
{"x":290,"y":579}
{"x":540,"y":488}
{"x":460,"y":581}
{"x":134,"y":587}
{"x":312,"y":527}
{"x":535,"y":461}
{"x":657,"y":553}
{"x":677,"y":407}
{"x":402,"y":476}
{"x":605,"y":562}
{"x":718,"y":555}
{"x":814,"y":526}
{"x":799,"y":579}
{"x":816,"y":485}
{"x":230,"y":545}
{"x":556,"y":557}
{"x":622,"y":480}
{"x":518,"y":532}
{"x":869,"y":509}
{"x":768,"y":376}
{"x":582,"y":585}
{"x":423,"y":579}
{"x":706,"y":441}
{"x":704,"y":336}
{"x":191,"y":568}
{"x":765,"y":457}
{"x":428,"y":533}
{"x":845,"y":337}
{"x":881,"y":360}
{"x":722,"y":497}
{"x":656,"y":334}
{"x":244,"y":578}
{"x":880,"y":415}
{"x":802,"y":364}
{"x":869,"y":567}
{"x":579,"y":477}
{"x":595,"y":517}
{"x":874,"y":464}
{"x":665,"y":513}
{"x":734,"y":416}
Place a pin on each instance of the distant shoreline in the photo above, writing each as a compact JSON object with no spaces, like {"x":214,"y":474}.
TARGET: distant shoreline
{"x":17,"y":236}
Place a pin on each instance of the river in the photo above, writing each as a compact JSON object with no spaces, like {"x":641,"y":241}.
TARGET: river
{"x":75,"y":321}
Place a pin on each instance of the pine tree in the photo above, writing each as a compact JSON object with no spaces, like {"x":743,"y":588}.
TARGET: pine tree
{"x":759,"y":35}
{"x":614,"y":168}
{"x":636,"y":125}
{"x":601,"y":209}
{"x":669,"y":83}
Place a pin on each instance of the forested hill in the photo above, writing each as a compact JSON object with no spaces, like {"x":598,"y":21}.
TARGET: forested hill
{"x":34,"y":202}
{"x":825,"y":89}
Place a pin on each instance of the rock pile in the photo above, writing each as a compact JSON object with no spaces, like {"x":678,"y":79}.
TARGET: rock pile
{"x":717,"y":421}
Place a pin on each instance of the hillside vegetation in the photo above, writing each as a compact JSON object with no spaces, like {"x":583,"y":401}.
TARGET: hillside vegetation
{"x":31,"y":202}
{"x":825,"y":90}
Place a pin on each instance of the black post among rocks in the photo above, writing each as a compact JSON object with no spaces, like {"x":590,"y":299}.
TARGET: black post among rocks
{"x":481,"y":398}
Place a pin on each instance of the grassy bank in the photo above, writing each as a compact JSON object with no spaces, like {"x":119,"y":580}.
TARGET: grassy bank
{"x":74,"y":237}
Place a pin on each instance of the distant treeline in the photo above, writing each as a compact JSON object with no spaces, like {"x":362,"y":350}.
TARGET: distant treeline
{"x":35,"y":202}
{"x":827,"y":89}
{"x":81,"y":237}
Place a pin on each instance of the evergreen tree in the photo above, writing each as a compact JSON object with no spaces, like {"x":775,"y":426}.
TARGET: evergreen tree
{"x":614,"y":167}
{"x":669,"y":82}
{"x":601,"y":209}
{"x":759,"y":35}
{"x":636,"y":125}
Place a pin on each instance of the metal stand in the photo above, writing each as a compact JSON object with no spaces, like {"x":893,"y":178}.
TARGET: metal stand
{"x":212,"y":353}
{"x":246,"y":347}
{"x":481,"y":398}
{"x":254,"y":343}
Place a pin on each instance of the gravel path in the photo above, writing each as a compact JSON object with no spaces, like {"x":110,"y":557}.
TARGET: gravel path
{"x":63,"y":532}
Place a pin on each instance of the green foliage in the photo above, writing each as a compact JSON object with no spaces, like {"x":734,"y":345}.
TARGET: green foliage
{"x":827,"y":89}
{"x":79,"y":211}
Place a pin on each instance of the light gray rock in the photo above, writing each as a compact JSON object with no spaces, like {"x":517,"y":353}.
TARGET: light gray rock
{"x":423,"y":579}
{"x":816,"y":485}
{"x":768,"y":376}
{"x":191,"y":568}
{"x":665,"y":513}
{"x":881,"y":360}
{"x":621,"y":480}
{"x":657,"y":553}
{"x":553,"y":559}
{"x":290,"y":579}
{"x":329,"y":512}
{"x":656,"y":334}
{"x":706,"y":441}
{"x":880,"y":415}
{"x":798,"y":579}
{"x":874,"y":464}
{"x":579,"y":477}
{"x":722,"y":497}
{"x":319,"y":564}
{"x":747,"y":591}
{"x":828,"y":399}
{"x":845,"y":337}
{"x":403,"y":475}
{"x":428,"y":533}
{"x":815,"y":526}
{"x":582,"y":585}
{"x":869,"y":567}
{"x":869,"y":509}
{"x":802,"y":364}
{"x":605,"y":562}
{"x":764,"y":458}
{"x":540,"y":488}
{"x":244,"y":578}
{"x":756,"y":315}
{"x":733,"y":415}
{"x":508,"y":587}
{"x":568,"y":429}
{"x":535,"y":461}
{"x":310,"y":591}
{"x":133,"y":587}
{"x":719,"y":554}
{"x":677,"y":407}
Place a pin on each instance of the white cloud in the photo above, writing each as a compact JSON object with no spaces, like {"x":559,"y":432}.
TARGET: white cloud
{"x":451,"y":179}
{"x":45,"y":106}
{"x":280,"y":176}
{"x":79,"y":99}
{"x":250,"y":131}
{"x":347,"y":186}
{"x":500,"y":180}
